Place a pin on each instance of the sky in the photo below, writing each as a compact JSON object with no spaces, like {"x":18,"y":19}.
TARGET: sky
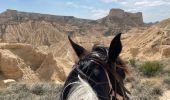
{"x":153,"y":10}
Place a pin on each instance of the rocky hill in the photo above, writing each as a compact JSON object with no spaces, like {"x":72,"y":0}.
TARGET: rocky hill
{"x":35,"y":46}
{"x":44,"y":29}
{"x":151,"y":43}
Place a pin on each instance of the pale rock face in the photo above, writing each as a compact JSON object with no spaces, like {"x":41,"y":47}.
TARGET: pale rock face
{"x":134,"y":52}
{"x":19,"y":61}
{"x":36,"y":33}
{"x":50,"y":70}
{"x":153,"y":42}
{"x":166,"y":52}
{"x":9,"y":65}
{"x":8,"y":81}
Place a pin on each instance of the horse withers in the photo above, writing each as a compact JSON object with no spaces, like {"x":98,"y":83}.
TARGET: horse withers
{"x":98,"y":75}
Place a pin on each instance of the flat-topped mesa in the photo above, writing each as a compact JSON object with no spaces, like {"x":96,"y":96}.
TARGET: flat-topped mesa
{"x":116,"y":13}
{"x":121,"y":14}
{"x":137,"y":17}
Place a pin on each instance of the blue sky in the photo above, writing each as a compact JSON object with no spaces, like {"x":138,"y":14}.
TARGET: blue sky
{"x":153,"y":10}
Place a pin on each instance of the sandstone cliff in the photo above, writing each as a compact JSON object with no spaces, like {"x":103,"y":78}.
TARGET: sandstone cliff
{"x":24,"y":62}
{"x":119,"y":20}
{"x":153,"y":43}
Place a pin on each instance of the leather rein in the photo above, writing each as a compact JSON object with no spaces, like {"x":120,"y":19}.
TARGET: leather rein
{"x":112,"y":93}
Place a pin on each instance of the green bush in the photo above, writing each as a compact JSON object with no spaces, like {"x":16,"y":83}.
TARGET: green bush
{"x":151,"y":68}
{"x":132,"y":62}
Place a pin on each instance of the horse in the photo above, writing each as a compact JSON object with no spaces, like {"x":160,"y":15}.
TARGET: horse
{"x":98,"y":75}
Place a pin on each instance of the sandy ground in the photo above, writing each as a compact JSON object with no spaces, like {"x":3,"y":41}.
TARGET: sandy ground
{"x":166,"y":95}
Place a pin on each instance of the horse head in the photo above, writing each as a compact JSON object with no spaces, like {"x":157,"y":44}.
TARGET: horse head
{"x":102,"y":68}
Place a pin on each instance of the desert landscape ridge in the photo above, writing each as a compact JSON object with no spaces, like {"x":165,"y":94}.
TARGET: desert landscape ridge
{"x":34,"y":48}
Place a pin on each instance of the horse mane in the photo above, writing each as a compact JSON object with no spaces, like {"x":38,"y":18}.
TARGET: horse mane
{"x":121,"y":64}
{"x":81,"y":91}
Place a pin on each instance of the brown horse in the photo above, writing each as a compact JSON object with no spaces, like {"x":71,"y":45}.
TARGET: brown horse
{"x":98,"y":75}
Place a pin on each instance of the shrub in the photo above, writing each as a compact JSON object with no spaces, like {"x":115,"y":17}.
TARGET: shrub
{"x":17,"y":87}
{"x":151,"y":68}
{"x":146,"y":91}
{"x":167,"y":82}
{"x":157,"y":90}
{"x":44,"y":88}
{"x":132,"y":62}
{"x":37,"y":91}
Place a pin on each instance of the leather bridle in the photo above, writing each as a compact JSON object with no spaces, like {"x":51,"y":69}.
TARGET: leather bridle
{"x":118,"y":79}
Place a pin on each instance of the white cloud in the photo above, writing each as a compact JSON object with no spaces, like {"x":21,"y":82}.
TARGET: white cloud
{"x":132,"y":10}
{"x":108,"y":1}
{"x":99,"y":13}
{"x":147,"y":3}
{"x":95,"y":13}
{"x":72,"y":4}
{"x":124,"y":3}
{"x":117,"y":1}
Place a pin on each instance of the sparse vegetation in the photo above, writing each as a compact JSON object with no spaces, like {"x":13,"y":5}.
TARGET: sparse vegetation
{"x":146,"y":91}
{"x":132,"y":62}
{"x":140,"y":87}
{"x":38,"y":91}
{"x":154,"y":85}
{"x":151,"y":68}
{"x":167,"y":82}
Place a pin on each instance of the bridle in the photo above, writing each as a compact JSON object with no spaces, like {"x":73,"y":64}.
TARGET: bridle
{"x":113,"y":72}
{"x":108,"y":68}
{"x":120,"y":82}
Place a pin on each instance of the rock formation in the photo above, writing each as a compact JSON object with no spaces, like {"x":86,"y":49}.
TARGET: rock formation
{"x":153,"y":42}
{"x":35,"y":47}
{"x":23,"y":61}
{"x":119,"y":20}
{"x":44,"y":29}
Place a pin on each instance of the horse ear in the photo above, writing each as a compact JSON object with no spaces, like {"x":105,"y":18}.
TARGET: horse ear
{"x":77,"y":48}
{"x":115,"y":48}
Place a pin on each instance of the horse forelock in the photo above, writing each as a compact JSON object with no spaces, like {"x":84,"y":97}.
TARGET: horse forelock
{"x":101,"y":52}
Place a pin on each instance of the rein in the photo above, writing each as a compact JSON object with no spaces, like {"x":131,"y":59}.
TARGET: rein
{"x":117,"y":79}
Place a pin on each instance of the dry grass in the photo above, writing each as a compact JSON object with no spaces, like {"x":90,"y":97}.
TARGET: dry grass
{"x":38,"y":91}
{"x":167,"y":82}
{"x":141,"y":87}
{"x":148,"y":88}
